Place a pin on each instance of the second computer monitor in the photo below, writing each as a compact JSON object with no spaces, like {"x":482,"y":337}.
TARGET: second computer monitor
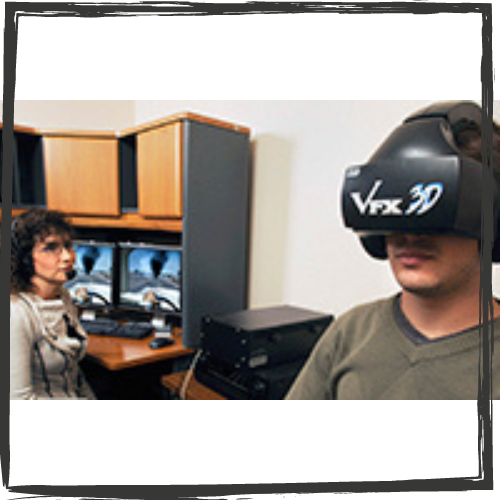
{"x":150,"y":277}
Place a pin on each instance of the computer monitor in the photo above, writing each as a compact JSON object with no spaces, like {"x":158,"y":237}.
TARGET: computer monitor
{"x":150,"y":277}
{"x":93,"y":284}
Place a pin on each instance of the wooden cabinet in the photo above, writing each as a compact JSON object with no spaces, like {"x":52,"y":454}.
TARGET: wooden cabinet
{"x":130,"y":179}
{"x":82,"y":175}
{"x":159,"y":171}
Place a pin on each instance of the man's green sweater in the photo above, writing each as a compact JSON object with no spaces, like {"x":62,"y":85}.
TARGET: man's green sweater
{"x":367,"y":355}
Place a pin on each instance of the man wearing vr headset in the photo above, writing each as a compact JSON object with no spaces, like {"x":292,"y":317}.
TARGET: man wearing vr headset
{"x":417,"y":203}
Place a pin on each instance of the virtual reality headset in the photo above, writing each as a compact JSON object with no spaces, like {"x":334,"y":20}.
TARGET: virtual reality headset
{"x":418,"y":181}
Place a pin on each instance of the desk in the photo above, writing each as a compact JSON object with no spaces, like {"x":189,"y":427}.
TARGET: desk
{"x":122,"y":368}
{"x":116,"y":353}
{"x":195,"y":391}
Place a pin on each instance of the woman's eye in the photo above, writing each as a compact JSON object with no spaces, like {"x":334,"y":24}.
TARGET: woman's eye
{"x":52,"y":247}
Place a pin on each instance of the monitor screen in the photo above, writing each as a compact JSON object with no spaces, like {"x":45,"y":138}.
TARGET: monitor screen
{"x":93,"y":283}
{"x":150,"y":277}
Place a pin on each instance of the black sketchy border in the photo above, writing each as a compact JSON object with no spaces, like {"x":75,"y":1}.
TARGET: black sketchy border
{"x":484,"y":479}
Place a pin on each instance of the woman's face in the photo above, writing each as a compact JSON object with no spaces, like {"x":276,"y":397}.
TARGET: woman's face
{"x":53,"y":258}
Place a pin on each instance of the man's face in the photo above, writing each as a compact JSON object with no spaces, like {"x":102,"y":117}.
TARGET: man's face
{"x":434,"y":265}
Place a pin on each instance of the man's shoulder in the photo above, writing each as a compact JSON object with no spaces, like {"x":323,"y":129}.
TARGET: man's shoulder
{"x":368,"y":310}
{"x":366,"y":319}
{"x":360,"y":323}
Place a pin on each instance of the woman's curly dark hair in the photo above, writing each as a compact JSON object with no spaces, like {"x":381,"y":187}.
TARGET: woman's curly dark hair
{"x":28,"y":229}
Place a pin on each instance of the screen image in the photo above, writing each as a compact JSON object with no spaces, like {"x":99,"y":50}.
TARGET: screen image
{"x":150,"y":277}
{"x":93,"y":283}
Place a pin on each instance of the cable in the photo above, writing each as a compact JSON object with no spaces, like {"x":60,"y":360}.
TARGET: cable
{"x":169,"y":302}
{"x":98,"y":296}
{"x":189,"y":374}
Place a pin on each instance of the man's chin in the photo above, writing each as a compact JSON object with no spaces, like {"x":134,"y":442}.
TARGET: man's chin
{"x":424,"y":290}
{"x":424,"y":293}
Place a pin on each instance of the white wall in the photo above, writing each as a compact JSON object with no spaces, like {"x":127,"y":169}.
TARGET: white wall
{"x":301,"y":254}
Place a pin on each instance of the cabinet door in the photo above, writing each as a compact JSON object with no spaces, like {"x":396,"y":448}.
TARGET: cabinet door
{"x":159,"y":171}
{"x":82,"y":175}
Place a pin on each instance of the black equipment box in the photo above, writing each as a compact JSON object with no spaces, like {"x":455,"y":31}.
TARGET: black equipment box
{"x":261,"y":383}
{"x":267,"y":337}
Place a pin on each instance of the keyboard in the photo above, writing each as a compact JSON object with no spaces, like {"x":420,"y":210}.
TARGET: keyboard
{"x":134,"y":330}
{"x":111,"y":328}
{"x":99,"y":326}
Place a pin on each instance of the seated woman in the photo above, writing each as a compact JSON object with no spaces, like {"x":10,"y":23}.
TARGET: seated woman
{"x":46,"y":339}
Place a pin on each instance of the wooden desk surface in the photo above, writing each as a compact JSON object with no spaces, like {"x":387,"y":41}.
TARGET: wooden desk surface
{"x":194,"y":390}
{"x":115,"y":353}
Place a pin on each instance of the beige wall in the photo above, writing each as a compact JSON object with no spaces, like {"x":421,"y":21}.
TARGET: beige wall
{"x":94,"y":115}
